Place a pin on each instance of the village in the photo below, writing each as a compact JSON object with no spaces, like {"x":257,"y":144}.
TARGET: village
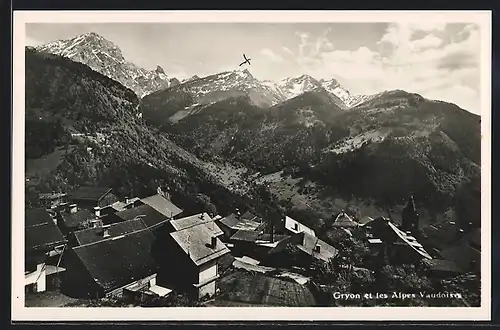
{"x":89,"y":244}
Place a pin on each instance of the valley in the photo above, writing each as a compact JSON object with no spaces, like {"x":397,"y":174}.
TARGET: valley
{"x":228,"y":142}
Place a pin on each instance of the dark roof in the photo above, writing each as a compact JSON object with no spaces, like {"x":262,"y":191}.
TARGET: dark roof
{"x":439,"y":265}
{"x":195,"y":242}
{"x":41,"y":233}
{"x":76,"y":219}
{"x":35,"y":217}
{"x":92,"y":235}
{"x":232,"y":221}
{"x":343,"y":220}
{"x":119,"y":261}
{"x":442,"y":234}
{"x":162,"y":205}
{"x":308,"y":244}
{"x":462,"y":254}
{"x":149,"y":215}
{"x":194,"y":220}
{"x":90,"y":193}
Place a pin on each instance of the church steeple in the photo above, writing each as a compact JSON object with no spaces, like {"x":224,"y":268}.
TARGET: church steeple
{"x":410,"y":216}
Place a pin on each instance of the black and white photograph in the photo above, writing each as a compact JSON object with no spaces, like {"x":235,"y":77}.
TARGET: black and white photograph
{"x":224,"y":163}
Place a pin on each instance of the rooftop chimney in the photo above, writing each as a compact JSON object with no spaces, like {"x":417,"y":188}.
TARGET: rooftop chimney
{"x":296,"y":226}
{"x":97,"y":211}
{"x":105,"y":232}
{"x":214,"y":242}
{"x":317,"y":248}
{"x":73,"y":208}
{"x":202,"y":216}
{"x":94,"y":223}
{"x":127,"y":200}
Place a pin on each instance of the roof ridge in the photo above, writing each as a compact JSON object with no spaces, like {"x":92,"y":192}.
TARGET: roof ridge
{"x":111,"y":238}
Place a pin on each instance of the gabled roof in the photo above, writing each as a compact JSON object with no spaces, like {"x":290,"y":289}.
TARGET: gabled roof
{"x":409,"y":240}
{"x":162,"y":205}
{"x":194,"y":220}
{"x":90,"y":193}
{"x":232,"y":221}
{"x":41,"y":233}
{"x":308,"y":244}
{"x":76,"y":219}
{"x":146,"y":213}
{"x":296,"y":227}
{"x":262,"y":290}
{"x":119,"y":261}
{"x":93,"y":235}
{"x":343,"y":220}
{"x":195,"y":242}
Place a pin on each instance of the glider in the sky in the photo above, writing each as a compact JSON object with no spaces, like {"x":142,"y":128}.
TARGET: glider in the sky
{"x":247,"y":60}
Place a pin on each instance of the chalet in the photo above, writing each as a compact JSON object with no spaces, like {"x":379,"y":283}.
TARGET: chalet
{"x":161,"y":204}
{"x":257,"y":244}
{"x":295,"y":227}
{"x":92,"y":235}
{"x":235,"y":222}
{"x":44,"y":243}
{"x":344,"y":221}
{"x":308,"y":248}
{"x":150,"y":216}
{"x":118,"y":266}
{"x":194,"y":250}
{"x":400,"y":246}
{"x":90,"y":197}
{"x":73,"y":218}
{"x":314,"y":247}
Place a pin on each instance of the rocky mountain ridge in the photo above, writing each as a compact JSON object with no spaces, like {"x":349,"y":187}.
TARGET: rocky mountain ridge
{"x":105,"y":57}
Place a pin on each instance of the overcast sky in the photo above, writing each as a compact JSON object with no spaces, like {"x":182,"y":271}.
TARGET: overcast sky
{"x":436,"y":60}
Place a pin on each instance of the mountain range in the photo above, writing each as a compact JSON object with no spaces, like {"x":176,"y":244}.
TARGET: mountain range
{"x":313,"y":142}
{"x":105,"y":57}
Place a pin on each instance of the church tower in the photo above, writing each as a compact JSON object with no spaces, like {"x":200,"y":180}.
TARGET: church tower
{"x":410,"y":217}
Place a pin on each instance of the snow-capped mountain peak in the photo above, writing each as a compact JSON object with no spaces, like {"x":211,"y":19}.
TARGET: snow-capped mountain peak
{"x":292,"y":87}
{"x":106,"y":58}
